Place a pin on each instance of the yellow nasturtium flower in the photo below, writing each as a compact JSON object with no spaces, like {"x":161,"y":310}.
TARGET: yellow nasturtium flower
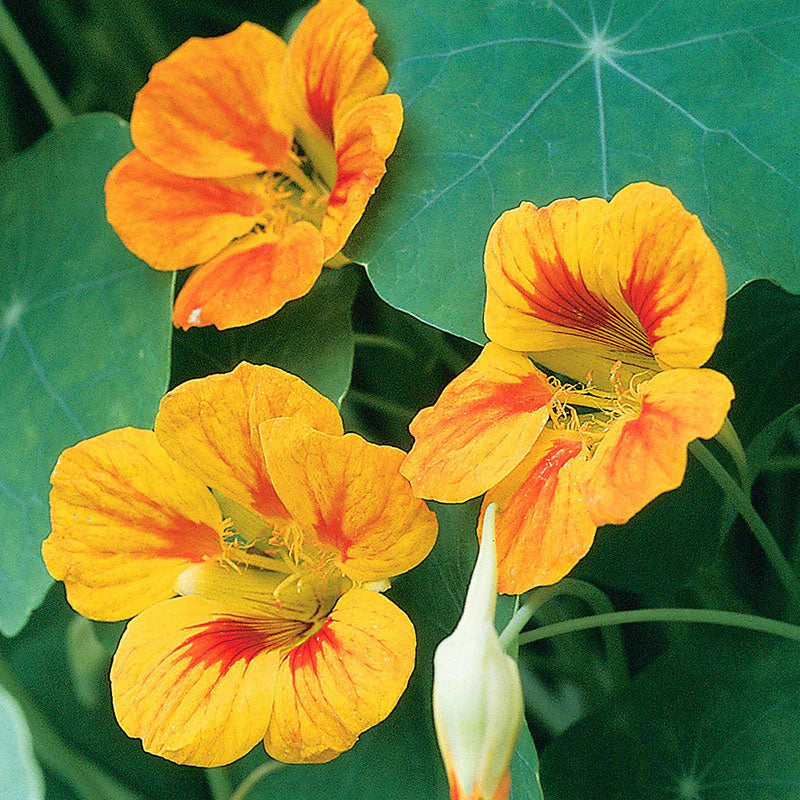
{"x":256,"y":604}
{"x":254,"y":160}
{"x":477,"y":693}
{"x":627,"y":299}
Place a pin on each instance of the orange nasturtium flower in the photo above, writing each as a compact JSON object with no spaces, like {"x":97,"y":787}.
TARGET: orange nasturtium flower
{"x":627,"y":299}
{"x":257,"y":604}
{"x":254,"y":161}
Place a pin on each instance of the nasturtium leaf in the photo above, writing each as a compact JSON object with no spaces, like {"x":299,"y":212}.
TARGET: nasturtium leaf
{"x":20,"y":775}
{"x":399,"y":759}
{"x":536,"y":100}
{"x":714,"y":718}
{"x":84,"y":334}
{"x":311,"y":337}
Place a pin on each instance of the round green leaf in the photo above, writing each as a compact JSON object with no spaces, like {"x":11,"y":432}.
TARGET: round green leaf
{"x":84,"y":334}
{"x":520,"y":100}
{"x":714,"y":718}
{"x":20,"y":775}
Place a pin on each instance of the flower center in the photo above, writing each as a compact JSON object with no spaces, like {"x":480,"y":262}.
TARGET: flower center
{"x":266,"y":573}
{"x":297,"y":192}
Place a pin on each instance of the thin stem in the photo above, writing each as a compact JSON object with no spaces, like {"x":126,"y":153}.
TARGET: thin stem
{"x":32,"y":71}
{"x":701,"y":615}
{"x":219,"y":783}
{"x":600,"y":604}
{"x":385,"y":342}
{"x":259,"y":773}
{"x":742,"y":503}
{"x":729,"y":439}
{"x":522,"y":616}
{"x":84,"y":777}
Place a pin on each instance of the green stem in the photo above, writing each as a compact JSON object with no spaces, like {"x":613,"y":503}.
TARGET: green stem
{"x":219,"y":783}
{"x":522,"y":616}
{"x":83,"y":776}
{"x":742,"y":503}
{"x":729,"y":439}
{"x":788,"y":463}
{"x":702,"y":615}
{"x":32,"y":71}
{"x":374,"y":340}
{"x":259,"y":773}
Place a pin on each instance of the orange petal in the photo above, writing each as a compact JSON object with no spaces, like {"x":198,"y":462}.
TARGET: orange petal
{"x":211,"y":426}
{"x":251,"y":279}
{"x":344,"y":679}
{"x":211,"y":109}
{"x":670,"y":273}
{"x":645,"y":455}
{"x":349,"y":496}
{"x":126,"y":519}
{"x":173,"y":222}
{"x":329,"y":68}
{"x":365,"y":138}
{"x":194,"y":683}
{"x":628,"y":280}
{"x":542,"y":527}
{"x":480,"y":428}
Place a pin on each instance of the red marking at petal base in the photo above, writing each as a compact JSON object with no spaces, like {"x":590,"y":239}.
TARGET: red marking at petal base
{"x":224,"y":641}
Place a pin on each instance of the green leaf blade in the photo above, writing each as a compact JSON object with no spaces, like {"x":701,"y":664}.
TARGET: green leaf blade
{"x":536,"y":101}
{"x":84,"y":333}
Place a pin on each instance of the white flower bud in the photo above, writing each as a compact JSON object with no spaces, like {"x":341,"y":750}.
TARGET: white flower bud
{"x":477,"y":695}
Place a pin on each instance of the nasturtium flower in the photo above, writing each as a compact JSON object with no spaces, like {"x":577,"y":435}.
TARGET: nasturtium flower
{"x":254,"y":160}
{"x":256,"y":603}
{"x":477,"y":693}
{"x":626,"y":298}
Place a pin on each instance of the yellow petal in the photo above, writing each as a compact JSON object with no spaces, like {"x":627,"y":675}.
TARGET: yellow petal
{"x":480,"y":428}
{"x":211,"y":426}
{"x":126,"y":520}
{"x":211,"y":109}
{"x":349,"y":498}
{"x":346,"y":678}
{"x":635,"y":280}
{"x":364,"y":137}
{"x":195,"y":683}
{"x":251,"y":279}
{"x":542,"y":526}
{"x":171,"y":221}
{"x":643,"y":456}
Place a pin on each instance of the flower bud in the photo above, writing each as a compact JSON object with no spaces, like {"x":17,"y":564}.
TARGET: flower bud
{"x":477,"y":695}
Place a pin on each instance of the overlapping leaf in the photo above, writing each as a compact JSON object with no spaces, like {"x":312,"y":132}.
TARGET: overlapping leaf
{"x":515,"y":100}
{"x":84,"y":334}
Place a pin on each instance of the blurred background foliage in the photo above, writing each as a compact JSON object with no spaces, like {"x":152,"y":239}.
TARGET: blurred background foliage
{"x":384,"y":365}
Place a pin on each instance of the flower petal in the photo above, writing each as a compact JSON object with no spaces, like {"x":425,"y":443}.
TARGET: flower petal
{"x":346,"y":678}
{"x":643,"y":456}
{"x":348,"y":495}
{"x":211,"y":426}
{"x":173,"y":222}
{"x":329,"y":67}
{"x":194,"y":683}
{"x":126,"y":520}
{"x":625,"y":281}
{"x":211,"y":109}
{"x":251,"y":279}
{"x":669,"y":272}
{"x":365,"y":137}
{"x":542,"y":526}
{"x":480,"y":428}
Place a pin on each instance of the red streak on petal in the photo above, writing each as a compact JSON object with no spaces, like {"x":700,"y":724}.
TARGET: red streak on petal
{"x":329,"y":528}
{"x":186,"y":539}
{"x":224,"y":641}
{"x":306,"y":655}
{"x":563,"y":299}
